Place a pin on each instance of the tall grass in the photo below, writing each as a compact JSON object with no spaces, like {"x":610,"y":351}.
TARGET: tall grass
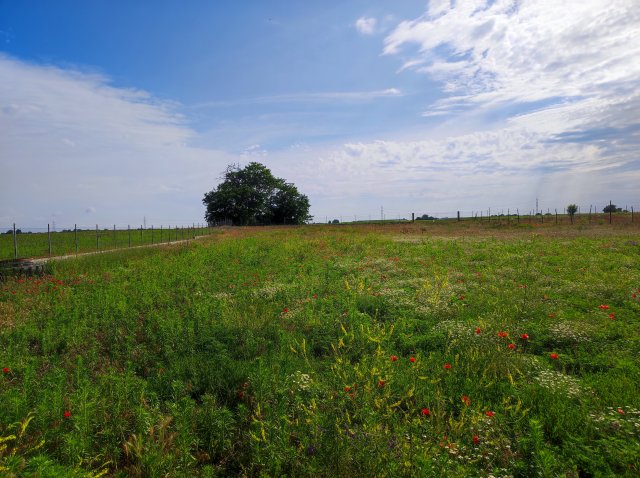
{"x":330,"y":351}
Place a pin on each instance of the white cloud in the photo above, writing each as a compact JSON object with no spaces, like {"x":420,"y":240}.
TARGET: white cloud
{"x":71,"y":138}
{"x":312,"y":97}
{"x":527,"y":50}
{"x":365,"y":25}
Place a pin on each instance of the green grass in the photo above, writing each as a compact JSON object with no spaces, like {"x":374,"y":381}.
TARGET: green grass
{"x":63,"y":243}
{"x":272,"y":352}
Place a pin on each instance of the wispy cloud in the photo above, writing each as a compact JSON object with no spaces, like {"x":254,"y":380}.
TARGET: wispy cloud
{"x":486,"y":52}
{"x":313,"y":97}
{"x":71,"y":138}
{"x":366,"y":25}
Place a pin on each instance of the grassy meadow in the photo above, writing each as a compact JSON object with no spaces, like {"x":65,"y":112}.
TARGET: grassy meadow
{"x":87,"y":240}
{"x":438,"y":349}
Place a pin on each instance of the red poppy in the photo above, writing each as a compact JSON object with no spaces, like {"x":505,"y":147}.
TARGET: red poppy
{"x":447,"y":366}
{"x":476,"y":439}
{"x":412,"y":359}
{"x":620,"y":411}
{"x":554,"y":356}
{"x":511,"y":346}
{"x":502,"y":334}
{"x":478,"y":331}
{"x":612,"y":316}
{"x":6,"y":370}
{"x":489,"y":413}
{"x":347,"y":389}
{"x":285,"y":310}
{"x":461,"y":297}
{"x":425,"y":412}
{"x":67,"y":414}
{"x":393,"y":358}
{"x":524,"y":336}
{"x":466,"y":400}
{"x":381,"y":383}
{"x":315,"y":296}
{"x":603,"y":307}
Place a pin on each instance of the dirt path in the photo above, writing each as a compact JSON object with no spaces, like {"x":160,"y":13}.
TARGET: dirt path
{"x":44,"y":260}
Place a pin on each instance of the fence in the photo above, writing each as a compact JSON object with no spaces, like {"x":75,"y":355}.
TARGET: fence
{"x":40,"y":242}
{"x":614,"y":215}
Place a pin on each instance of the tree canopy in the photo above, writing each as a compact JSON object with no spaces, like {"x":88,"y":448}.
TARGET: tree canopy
{"x":612,"y":208}
{"x":254,"y":196}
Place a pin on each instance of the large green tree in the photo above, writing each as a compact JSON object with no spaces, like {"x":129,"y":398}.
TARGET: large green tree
{"x":253,"y":195}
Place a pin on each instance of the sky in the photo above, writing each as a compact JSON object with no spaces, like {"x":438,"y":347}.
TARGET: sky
{"x":118,"y":112}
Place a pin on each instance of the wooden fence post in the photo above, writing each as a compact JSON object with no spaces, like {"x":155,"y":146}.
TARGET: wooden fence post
{"x":75,"y":234}
{"x":49,"y":238}
{"x":15,"y":242}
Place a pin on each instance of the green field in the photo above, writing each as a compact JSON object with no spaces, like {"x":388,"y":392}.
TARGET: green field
{"x":443,"y":349}
{"x":86,"y":240}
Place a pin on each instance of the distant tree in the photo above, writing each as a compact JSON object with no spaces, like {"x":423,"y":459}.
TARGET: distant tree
{"x":254,"y":196}
{"x":335,"y":221}
{"x":571,"y":210}
{"x":612,"y":208}
{"x":426,"y":217}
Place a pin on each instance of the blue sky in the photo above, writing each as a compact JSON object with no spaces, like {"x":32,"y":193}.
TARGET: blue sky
{"x":116,"y":111}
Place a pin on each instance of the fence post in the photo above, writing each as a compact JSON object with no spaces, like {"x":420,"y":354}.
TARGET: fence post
{"x":610,"y":212}
{"x":590,"y":213}
{"x":518,"y":213}
{"x":631,"y":213}
{"x":115,"y":240}
{"x":129,"y":231}
{"x":49,"y":238}
{"x":15,"y":242}
{"x":152,"y":234}
{"x":489,"y":215}
{"x":160,"y":233}
{"x":97,"y":244}
{"x":75,"y":235}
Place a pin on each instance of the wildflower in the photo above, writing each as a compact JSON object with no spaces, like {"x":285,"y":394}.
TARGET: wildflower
{"x":524,"y":336}
{"x":476,"y":439}
{"x":315,"y":296}
{"x":285,"y":310}
{"x":554,"y":356}
{"x":347,"y":389}
{"x":381,"y":383}
{"x":612,"y":316}
{"x":466,"y":400}
{"x":461,"y":297}
{"x":620,"y":411}
{"x":552,"y":315}
{"x":502,"y":334}
{"x":425,"y":412}
{"x":478,"y":331}
{"x":6,"y":370}
{"x":489,"y":413}
{"x":67,"y":414}
{"x":603,"y":307}
{"x":412,"y":359}
{"x":394,"y":358}
{"x":447,"y":366}
{"x":511,"y":346}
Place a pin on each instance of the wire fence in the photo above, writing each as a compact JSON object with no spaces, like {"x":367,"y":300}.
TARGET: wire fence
{"x":34,"y":242}
{"x":589,"y":213}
